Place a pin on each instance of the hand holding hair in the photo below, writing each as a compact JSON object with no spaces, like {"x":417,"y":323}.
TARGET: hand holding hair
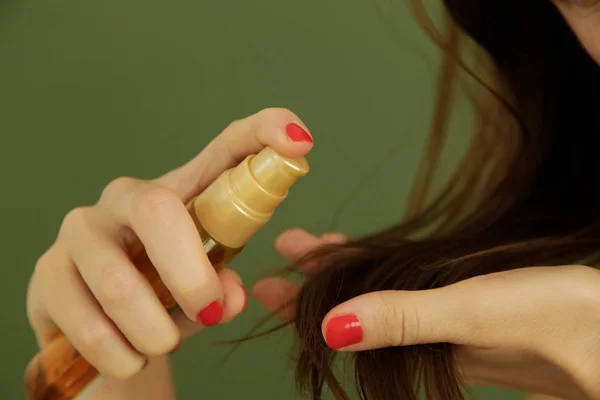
{"x":534,"y":329}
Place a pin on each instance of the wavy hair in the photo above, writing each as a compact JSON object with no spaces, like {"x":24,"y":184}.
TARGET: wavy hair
{"x":525,"y":193}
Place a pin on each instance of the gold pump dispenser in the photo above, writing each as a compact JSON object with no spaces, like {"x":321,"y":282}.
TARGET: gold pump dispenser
{"x":227,"y":214}
{"x":242,"y":200}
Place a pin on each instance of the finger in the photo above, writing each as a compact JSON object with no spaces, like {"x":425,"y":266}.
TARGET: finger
{"x":43,"y":326}
{"x":234,"y":303}
{"x":76,"y":313}
{"x":508,"y":309}
{"x":236,"y":298}
{"x":335,"y":237}
{"x":277,"y":128}
{"x":297,"y":243}
{"x":392,"y":318}
{"x":164,"y":226}
{"x":278,"y":296}
{"x":124,"y":293}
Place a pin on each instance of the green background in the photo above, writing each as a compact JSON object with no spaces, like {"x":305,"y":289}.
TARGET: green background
{"x":94,"y":90}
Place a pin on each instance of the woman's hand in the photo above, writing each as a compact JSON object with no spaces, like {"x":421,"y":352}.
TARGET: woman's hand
{"x":87,"y":287}
{"x":534,"y":329}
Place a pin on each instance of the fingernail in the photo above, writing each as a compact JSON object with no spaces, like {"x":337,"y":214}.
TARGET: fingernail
{"x":175,"y":348}
{"x":343,"y":331}
{"x":298,"y":134}
{"x":245,"y":297}
{"x":212,"y":314}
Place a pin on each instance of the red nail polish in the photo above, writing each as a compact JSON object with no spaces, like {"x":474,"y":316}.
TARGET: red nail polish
{"x":297,"y":133}
{"x":175,"y":348}
{"x":343,"y":331}
{"x":212,"y":314}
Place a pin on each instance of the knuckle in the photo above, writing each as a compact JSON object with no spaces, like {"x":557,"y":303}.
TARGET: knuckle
{"x":233,"y":125}
{"x":116,"y":286}
{"x":394,"y":328}
{"x":152,"y":202}
{"x":391,"y":334}
{"x":168,"y":341}
{"x":277,"y":114}
{"x":192,"y":288}
{"x":116,"y":188}
{"x":44,"y":262}
{"x":75,"y":220}
{"x":92,"y":337}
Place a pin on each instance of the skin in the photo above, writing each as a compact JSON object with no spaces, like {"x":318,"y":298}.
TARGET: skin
{"x":534,"y":329}
{"x":584,"y":18}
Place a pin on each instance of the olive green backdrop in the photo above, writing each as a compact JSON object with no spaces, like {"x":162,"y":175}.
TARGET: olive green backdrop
{"x":94,"y":90}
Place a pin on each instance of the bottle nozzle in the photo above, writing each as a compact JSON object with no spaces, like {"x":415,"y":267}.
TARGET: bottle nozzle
{"x":243,"y":198}
{"x":276,"y":173}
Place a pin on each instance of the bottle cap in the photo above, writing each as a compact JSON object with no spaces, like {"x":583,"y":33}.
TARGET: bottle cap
{"x":242,"y":200}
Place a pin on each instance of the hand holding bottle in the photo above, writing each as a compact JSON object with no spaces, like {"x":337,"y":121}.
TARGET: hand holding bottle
{"x":87,"y":287}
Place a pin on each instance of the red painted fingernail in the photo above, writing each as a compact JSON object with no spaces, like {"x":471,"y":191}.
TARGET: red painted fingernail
{"x":298,"y":134}
{"x":245,"y":297}
{"x":212,"y":314}
{"x":343,"y":331}
{"x":175,"y":348}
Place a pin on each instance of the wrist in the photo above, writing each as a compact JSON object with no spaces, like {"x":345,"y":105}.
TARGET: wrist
{"x":154,"y":382}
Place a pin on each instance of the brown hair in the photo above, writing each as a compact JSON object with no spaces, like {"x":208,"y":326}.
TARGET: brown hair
{"x":524,"y":195}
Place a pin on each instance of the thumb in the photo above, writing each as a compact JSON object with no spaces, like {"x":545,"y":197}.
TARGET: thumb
{"x":519,"y":308}
{"x":395,"y":318}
